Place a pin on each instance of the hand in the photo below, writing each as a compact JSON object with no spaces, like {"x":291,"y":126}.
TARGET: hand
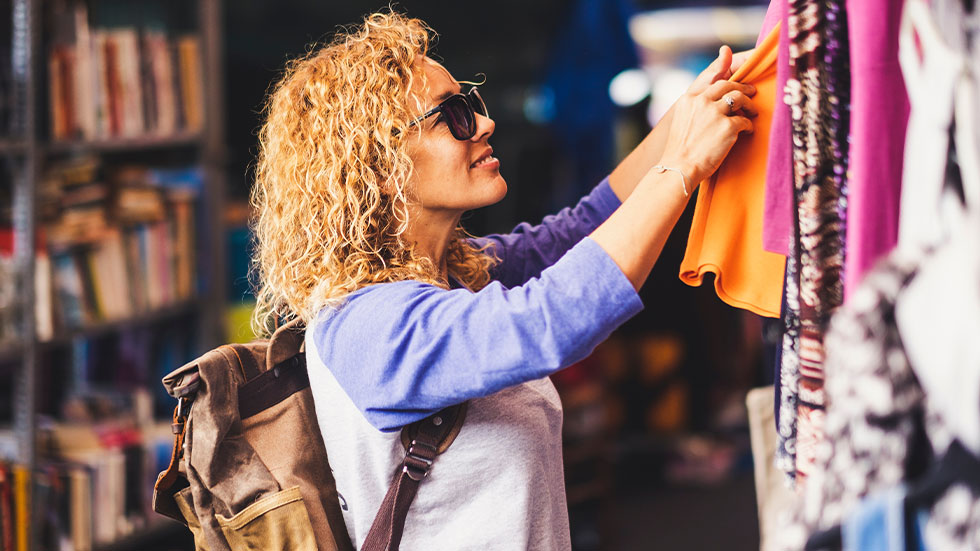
{"x":722,"y":68}
{"x":704,"y":127}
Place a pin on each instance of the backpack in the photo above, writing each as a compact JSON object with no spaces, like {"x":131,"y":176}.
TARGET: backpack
{"x":249,"y":469}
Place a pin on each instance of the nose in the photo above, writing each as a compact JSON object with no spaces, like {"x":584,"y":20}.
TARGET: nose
{"x":484,"y":128}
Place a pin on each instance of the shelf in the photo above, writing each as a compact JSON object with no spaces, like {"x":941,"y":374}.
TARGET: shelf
{"x":160,"y":533}
{"x":106,"y":327}
{"x":8,"y":146}
{"x":140,"y":143}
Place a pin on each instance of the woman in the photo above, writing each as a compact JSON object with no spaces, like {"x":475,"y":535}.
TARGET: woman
{"x":370,"y":154}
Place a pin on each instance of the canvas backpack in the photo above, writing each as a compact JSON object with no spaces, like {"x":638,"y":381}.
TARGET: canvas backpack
{"x":249,"y":469}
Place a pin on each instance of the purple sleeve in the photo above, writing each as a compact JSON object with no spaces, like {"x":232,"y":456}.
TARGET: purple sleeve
{"x":528,"y":250}
{"x":405,"y":350}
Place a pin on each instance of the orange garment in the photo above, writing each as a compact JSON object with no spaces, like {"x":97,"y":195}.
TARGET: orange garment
{"x":726,"y":234}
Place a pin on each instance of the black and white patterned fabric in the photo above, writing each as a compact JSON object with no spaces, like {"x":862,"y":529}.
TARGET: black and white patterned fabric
{"x":875,"y":405}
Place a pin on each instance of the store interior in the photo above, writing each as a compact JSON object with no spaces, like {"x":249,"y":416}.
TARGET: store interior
{"x":131,"y":195}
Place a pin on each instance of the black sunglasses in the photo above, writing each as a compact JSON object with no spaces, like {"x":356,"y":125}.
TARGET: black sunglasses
{"x":459,"y":112}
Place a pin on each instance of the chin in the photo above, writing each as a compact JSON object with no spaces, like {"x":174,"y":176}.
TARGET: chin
{"x":499,"y":190}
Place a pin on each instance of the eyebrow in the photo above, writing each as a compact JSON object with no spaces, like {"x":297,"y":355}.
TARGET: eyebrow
{"x":441,"y":97}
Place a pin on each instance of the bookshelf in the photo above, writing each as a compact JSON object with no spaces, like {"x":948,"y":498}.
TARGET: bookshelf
{"x":182,"y":139}
{"x":51,"y":120}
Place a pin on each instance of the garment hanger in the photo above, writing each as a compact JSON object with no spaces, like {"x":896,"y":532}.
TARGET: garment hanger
{"x":957,"y":466}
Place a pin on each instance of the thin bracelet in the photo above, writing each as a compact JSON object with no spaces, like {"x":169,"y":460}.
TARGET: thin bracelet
{"x":661,"y":169}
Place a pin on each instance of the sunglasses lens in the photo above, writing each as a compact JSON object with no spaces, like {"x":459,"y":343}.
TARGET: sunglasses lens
{"x":459,"y":117}
{"x":476,"y":102}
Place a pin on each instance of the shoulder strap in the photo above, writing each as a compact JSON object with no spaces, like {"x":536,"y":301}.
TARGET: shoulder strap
{"x":426,"y":439}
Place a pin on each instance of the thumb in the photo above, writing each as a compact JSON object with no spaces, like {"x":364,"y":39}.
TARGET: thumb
{"x":723,"y":64}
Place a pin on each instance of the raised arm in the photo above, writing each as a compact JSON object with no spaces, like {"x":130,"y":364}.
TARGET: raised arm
{"x":404,"y":350}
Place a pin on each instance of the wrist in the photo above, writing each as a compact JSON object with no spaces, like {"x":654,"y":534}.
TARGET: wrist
{"x":689,"y":172}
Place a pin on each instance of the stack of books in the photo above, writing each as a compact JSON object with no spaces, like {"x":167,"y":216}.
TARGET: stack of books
{"x":116,"y":242}
{"x":94,"y":487}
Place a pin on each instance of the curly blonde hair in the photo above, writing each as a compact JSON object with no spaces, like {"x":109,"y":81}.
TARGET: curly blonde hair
{"x":330,"y":198}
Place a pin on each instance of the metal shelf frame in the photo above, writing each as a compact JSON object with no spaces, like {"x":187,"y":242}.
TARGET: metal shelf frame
{"x":24,"y":64}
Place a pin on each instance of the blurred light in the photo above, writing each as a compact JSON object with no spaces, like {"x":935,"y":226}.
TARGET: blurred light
{"x":629,"y":87}
{"x":683,"y":29}
{"x":539,"y":105}
{"x":668,"y":85}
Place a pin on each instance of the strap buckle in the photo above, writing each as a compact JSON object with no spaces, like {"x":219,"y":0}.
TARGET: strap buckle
{"x":180,"y":415}
{"x":418,"y":460}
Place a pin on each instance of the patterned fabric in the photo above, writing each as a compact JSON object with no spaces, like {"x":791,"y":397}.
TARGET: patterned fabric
{"x":875,"y":407}
{"x":818,"y":93}
{"x":789,"y":368}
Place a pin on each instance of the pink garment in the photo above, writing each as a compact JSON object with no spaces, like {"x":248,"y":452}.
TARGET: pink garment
{"x":773,"y":16}
{"x":778,"y":205}
{"x":879,"y":117}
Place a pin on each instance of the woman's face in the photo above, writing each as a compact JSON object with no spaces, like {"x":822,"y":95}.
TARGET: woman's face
{"x":452,"y":176}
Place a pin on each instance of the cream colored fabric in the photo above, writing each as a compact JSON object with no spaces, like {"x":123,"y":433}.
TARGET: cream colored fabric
{"x":773,"y":496}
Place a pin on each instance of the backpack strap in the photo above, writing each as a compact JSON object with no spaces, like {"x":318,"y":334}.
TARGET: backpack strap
{"x":428,"y":438}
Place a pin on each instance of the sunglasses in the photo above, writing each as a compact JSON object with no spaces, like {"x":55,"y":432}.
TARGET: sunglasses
{"x":459,"y":111}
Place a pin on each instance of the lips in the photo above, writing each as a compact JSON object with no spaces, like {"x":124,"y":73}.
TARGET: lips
{"x":485,"y":158}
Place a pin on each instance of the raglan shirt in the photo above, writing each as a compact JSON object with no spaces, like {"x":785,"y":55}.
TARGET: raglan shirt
{"x":397,"y":352}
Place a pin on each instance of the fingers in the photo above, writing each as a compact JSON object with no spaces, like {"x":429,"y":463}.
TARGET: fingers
{"x":722,"y":65}
{"x":722,"y":87}
{"x":739,"y":102}
{"x":741,"y":124}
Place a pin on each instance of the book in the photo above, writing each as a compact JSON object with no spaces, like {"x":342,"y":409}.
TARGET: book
{"x":191,"y":82}
{"x":84,"y":79}
{"x":126,"y":45}
{"x":6,"y":507}
{"x":161,"y":80}
{"x":74,"y":309}
{"x":43,"y":296}
{"x":110,"y":281}
{"x":81,"y":508}
{"x":21,"y":506}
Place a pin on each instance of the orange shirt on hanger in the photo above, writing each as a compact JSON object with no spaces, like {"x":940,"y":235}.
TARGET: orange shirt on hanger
{"x":726,"y":234}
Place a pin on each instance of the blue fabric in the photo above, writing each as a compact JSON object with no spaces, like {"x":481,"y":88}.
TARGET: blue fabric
{"x":878,"y":524}
{"x":528,"y":250}
{"x":404,"y":350}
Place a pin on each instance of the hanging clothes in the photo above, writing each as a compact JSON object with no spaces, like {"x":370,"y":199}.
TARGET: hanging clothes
{"x":876,"y":408}
{"x":879,"y":524}
{"x":818,"y":91}
{"x":944,"y":94}
{"x":879,"y":116}
{"x":943,"y":176}
{"x":778,"y":218}
{"x":903,"y":364}
{"x":726,"y":233}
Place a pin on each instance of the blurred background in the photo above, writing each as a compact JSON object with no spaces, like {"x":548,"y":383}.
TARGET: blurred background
{"x":127,"y":139}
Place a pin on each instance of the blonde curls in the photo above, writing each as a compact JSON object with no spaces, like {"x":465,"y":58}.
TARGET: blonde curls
{"x":330,"y":201}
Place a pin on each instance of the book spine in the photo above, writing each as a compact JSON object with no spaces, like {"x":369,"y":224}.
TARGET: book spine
{"x":22,"y":507}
